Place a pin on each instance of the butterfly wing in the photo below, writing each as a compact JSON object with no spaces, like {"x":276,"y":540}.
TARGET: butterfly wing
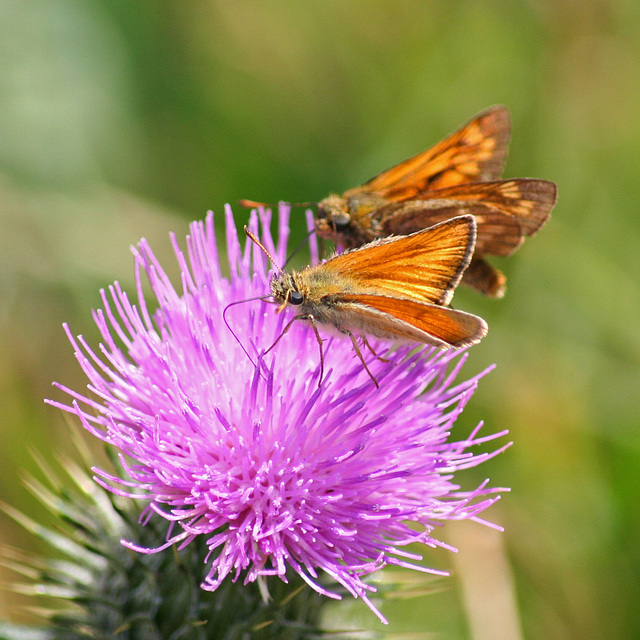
{"x":475,"y":152}
{"x":505,"y":211}
{"x":404,"y":319}
{"x":528,"y":200}
{"x":485,"y":278}
{"x":502,"y":233}
{"x":426,"y":266}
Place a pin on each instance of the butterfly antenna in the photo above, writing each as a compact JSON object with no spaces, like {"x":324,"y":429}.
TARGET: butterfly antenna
{"x":264,"y":249}
{"x":233,"y":333}
{"x":297,"y":249}
{"x":254,"y":204}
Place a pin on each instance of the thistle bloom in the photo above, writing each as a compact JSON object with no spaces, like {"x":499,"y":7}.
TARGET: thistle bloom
{"x":245,"y":449}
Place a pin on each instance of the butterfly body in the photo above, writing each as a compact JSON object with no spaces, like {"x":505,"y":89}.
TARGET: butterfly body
{"x":458,"y":176}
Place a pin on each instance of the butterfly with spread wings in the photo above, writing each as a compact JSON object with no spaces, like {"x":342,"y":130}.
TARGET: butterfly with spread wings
{"x":460,"y":175}
{"x":396,"y":289}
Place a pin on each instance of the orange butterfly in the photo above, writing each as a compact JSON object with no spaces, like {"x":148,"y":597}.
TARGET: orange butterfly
{"x":459,"y":175}
{"x":395,"y":289}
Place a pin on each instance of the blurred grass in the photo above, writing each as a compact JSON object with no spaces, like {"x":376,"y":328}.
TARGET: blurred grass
{"x":120,"y":120}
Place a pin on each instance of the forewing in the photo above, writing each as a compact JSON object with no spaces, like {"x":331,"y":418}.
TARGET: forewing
{"x":426,"y":266}
{"x":528,"y":200}
{"x":497,"y":233}
{"x":412,"y":320}
{"x":506,"y":211}
{"x":475,"y":152}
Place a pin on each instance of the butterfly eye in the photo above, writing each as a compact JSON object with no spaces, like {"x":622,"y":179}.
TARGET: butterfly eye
{"x":296,"y":298}
{"x":340,"y":221}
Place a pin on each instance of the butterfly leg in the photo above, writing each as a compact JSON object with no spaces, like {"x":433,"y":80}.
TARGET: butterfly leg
{"x":312,"y":320}
{"x":365,"y":342}
{"x":285,"y":331}
{"x":359,"y":354}
{"x":319,"y":339}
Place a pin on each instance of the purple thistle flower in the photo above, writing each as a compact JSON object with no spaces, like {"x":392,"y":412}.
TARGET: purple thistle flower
{"x":275,"y":471}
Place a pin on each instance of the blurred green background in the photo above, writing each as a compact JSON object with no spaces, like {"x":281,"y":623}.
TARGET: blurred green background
{"x":124,"y":119}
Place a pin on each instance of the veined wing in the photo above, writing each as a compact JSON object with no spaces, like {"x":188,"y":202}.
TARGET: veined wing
{"x":505,"y":211}
{"x":475,"y":152}
{"x":426,"y":266}
{"x":528,"y":199}
{"x":400,"y":318}
{"x":485,"y":278}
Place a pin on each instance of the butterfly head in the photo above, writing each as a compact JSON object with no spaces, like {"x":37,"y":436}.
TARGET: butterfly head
{"x":333,"y":219}
{"x":285,"y":291}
